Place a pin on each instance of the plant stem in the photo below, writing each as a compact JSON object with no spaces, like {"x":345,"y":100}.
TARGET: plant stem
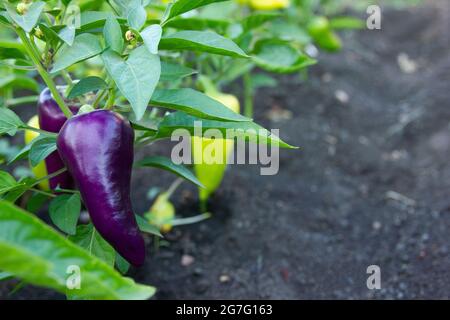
{"x":55,"y":174}
{"x":111,"y":99}
{"x":99,"y":97}
{"x":48,"y":194}
{"x":248,"y":96}
{"x":26,"y":127}
{"x":66,"y":77}
{"x":174,"y":187}
{"x":43,"y":73}
{"x":21,"y":100}
{"x":203,"y":205}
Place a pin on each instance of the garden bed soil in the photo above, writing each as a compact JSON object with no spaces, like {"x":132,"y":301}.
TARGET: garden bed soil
{"x":369,"y":186}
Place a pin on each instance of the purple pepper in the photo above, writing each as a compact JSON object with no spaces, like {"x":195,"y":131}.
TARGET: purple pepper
{"x":51,"y":119}
{"x":97,"y":148}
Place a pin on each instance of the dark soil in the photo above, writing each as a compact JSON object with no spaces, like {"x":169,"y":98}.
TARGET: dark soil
{"x":370,"y":185}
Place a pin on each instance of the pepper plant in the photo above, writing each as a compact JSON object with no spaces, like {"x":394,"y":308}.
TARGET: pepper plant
{"x":82,"y":142}
{"x":279,"y":35}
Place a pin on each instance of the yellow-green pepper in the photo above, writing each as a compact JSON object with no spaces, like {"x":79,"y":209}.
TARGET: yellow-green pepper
{"x":162,"y":213}
{"x":211,"y":175}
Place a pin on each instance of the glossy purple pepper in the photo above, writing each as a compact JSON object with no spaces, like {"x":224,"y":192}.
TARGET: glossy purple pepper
{"x":51,"y":119}
{"x":97,"y":148}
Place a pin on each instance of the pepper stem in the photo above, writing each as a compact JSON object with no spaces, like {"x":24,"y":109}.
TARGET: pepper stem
{"x":43,"y":73}
{"x":248,"y":96}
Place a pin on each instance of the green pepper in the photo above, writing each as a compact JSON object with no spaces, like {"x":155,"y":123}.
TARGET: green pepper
{"x":321,"y":32}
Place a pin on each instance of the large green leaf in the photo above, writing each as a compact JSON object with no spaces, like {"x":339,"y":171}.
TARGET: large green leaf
{"x":64,"y":211}
{"x":195,"y":103}
{"x":182,"y":6}
{"x":136,"y":77}
{"x":85,"y":46}
{"x":167,"y":164}
{"x":28,"y":20}
{"x":249,"y":131}
{"x":9,"y":122}
{"x":203,"y":41}
{"x":34,"y":252}
{"x":89,"y":239}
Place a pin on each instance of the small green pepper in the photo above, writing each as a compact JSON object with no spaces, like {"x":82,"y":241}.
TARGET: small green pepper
{"x":321,"y":32}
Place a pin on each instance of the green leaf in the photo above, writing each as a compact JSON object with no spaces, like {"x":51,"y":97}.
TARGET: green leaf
{"x":257,"y":19}
{"x":36,"y":202}
{"x":146,"y":227}
{"x":167,"y":164}
{"x":34,"y":252}
{"x":85,"y":46}
{"x":152,"y":36}
{"x":28,"y":20}
{"x":24,"y":152}
{"x":261,"y":80}
{"x":5,"y":276}
{"x":64,"y":211}
{"x":172,"y":71}
{"x":195,"y":103}
{"x":89,"y":239}
{"x":95,"y":20}
{"x":133,"y":11}
{"x":136,"y":77}
{"x":42,"y":147}
{"x":197,"y":23}
{"x":19,"y":189}
{"x":17,"y":81}
{"x":113,"y":35}
{"x":11,"y":50}
{"x":86,"y":85}
{"x":249,"y":131}
{"x":278,"y":56}
{"x":7,"y":182}
{"x":67,"y":34}
{"x":203,"y":41}
{"x":122,"y":265}
{"x":9,"y":122}
{"x":51,"y":36}
{"x":182,"y":6}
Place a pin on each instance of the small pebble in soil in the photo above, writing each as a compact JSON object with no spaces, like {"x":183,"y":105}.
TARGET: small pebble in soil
{"x":278,"y":114}
{"x":406,"y":64}
{"x":342,"y":96}
{"x":187,"y":260}
{"x":224,"y":278}
{"x":376,"y":225}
